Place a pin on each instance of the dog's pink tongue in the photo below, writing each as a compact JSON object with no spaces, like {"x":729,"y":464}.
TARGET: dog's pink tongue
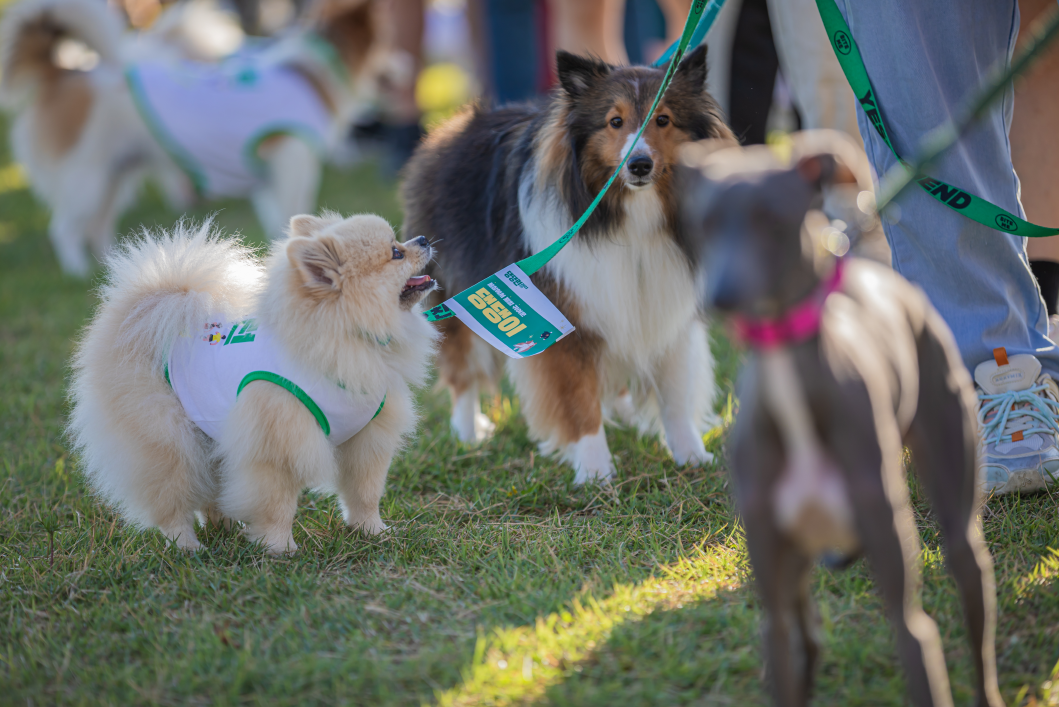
{"x":417,"y":281}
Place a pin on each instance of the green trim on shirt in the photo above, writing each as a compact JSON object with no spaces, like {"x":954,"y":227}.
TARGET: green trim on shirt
{"x":293,"y":388}
{"x":252,"y":158}
{"x":188,"y":164}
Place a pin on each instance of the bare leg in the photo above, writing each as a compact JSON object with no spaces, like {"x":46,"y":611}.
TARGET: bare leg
{"x":590,"y":27}
{"x":407,"y":21}
{"x":1034,"y":154}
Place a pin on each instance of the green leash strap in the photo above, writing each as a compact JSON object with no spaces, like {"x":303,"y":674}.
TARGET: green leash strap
{"x":705,"y":22}
{"x":537,"y":261}
{"x":944,"y":136}
{"x":533,"y":263}
{"x":971,"y":206}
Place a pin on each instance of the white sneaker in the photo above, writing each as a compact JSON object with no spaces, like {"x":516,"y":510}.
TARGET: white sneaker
{"x":1018,"y":420}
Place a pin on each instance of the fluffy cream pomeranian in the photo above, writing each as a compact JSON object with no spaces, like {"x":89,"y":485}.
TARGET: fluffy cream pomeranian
{"x":209,"y":384}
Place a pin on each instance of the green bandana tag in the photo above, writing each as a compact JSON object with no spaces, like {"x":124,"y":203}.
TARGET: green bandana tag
{"x":509,"y":312}
{"x":532,"y":323}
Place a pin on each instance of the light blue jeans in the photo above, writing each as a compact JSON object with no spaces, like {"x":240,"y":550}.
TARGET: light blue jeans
{"x":924,"y":57}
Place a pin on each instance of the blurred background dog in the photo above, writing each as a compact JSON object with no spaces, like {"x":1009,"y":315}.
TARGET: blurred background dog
{"x":97,"y":114}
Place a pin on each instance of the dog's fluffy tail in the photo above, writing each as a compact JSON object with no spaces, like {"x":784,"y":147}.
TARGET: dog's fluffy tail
{"x":129,"y":429}
{"x":33,"y":30}
{"x":163,"y":285}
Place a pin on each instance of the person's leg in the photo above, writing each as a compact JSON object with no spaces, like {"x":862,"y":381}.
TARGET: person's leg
{"x":590,"y":27}
{"x":754,"y":67}
{"x":512,"y":49}
{"x":923,"y":59}
{"x":1036,"y":156}
{"x":406,"y":18}
{"x":821,"y":93}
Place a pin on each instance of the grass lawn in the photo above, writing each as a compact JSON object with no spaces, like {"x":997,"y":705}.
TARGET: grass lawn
{"x":498,"y":583}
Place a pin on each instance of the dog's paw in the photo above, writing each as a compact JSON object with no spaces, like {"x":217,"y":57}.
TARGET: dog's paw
{"x":277,"y":541}
{"x":182,"y":537}
{"x":590,"y":457}
{"x":597,"y":475}
{"x":687,"y":448}
{"x":368,"y":526}
{"x":473,"y":430}
{"x":215,"y":517}
{"x":695,"y":457}
{"x":624,"y":408}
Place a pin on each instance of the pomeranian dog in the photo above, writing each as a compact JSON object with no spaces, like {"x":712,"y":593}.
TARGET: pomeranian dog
{"x":498,"y":185}
{"x":211,"y":384}
{"x":96,"y":113}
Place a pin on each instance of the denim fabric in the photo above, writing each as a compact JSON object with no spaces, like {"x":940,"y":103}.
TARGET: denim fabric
{"x":513,"y":49}
{"x":923,"y":59}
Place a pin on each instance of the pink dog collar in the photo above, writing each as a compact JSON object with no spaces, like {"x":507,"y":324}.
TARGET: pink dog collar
{"x":798,"y":324}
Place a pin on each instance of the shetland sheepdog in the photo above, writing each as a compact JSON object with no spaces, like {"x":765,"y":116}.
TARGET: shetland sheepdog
{"x":499,"y":184}
{"x":97,"y":112}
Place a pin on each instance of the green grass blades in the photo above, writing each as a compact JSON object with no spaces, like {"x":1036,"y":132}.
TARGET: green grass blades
{"x":499,"y":582}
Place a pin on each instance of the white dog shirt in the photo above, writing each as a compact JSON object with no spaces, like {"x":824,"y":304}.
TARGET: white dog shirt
{"x":212,"y":119}
{"x":207,"y":372}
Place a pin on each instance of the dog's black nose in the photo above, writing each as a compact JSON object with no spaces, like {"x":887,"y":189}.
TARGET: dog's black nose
{"x":641,"y":165}
{"x":422,"y":242}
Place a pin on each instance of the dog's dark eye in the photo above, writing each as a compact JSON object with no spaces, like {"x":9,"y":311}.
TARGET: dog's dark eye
{"x":662,"y":120}
{"x":616,"y":122}
{"x":397,"y":255}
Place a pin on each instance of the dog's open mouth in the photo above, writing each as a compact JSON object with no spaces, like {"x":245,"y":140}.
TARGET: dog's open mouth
{"x":417,"y":284}
{"x":416,"y":289}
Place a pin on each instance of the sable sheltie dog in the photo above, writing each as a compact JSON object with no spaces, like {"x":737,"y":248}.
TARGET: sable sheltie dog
{"x":97,"y":113}
{"x":336,"y":328}
{"x":498,"y":185}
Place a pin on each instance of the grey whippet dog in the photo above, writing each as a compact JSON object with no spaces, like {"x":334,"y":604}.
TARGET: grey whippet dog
{"x":847,"y":361}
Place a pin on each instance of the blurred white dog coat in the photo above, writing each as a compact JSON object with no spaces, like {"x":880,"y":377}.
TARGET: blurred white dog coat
{"x":208,"y":371}
{"x":212,"y":119}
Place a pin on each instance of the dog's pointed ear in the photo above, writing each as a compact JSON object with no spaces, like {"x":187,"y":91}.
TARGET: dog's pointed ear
{"x":306,"y":225}
{"x":692,"y":69}
{"x":317,"y":262}
{"x":824,"y":169}
{"x":829,"y":158}
{"x":578,"y":73}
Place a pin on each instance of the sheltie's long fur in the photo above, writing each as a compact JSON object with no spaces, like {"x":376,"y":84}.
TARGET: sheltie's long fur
{"x":498,"y":185}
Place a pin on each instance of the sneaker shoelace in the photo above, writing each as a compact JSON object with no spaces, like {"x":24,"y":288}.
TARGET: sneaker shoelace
{"x":1029,"y":411}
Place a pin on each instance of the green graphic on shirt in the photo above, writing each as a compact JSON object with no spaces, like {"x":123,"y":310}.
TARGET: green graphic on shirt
{"x":245,"y":334}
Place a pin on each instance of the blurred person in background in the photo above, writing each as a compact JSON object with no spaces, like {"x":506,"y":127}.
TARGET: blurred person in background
{"x":1035,"y":154}
{"x":753,"y":40}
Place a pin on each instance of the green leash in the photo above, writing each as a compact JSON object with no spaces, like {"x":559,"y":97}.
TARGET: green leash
{"x":941,"y":138}
{"x":675,"y":53}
